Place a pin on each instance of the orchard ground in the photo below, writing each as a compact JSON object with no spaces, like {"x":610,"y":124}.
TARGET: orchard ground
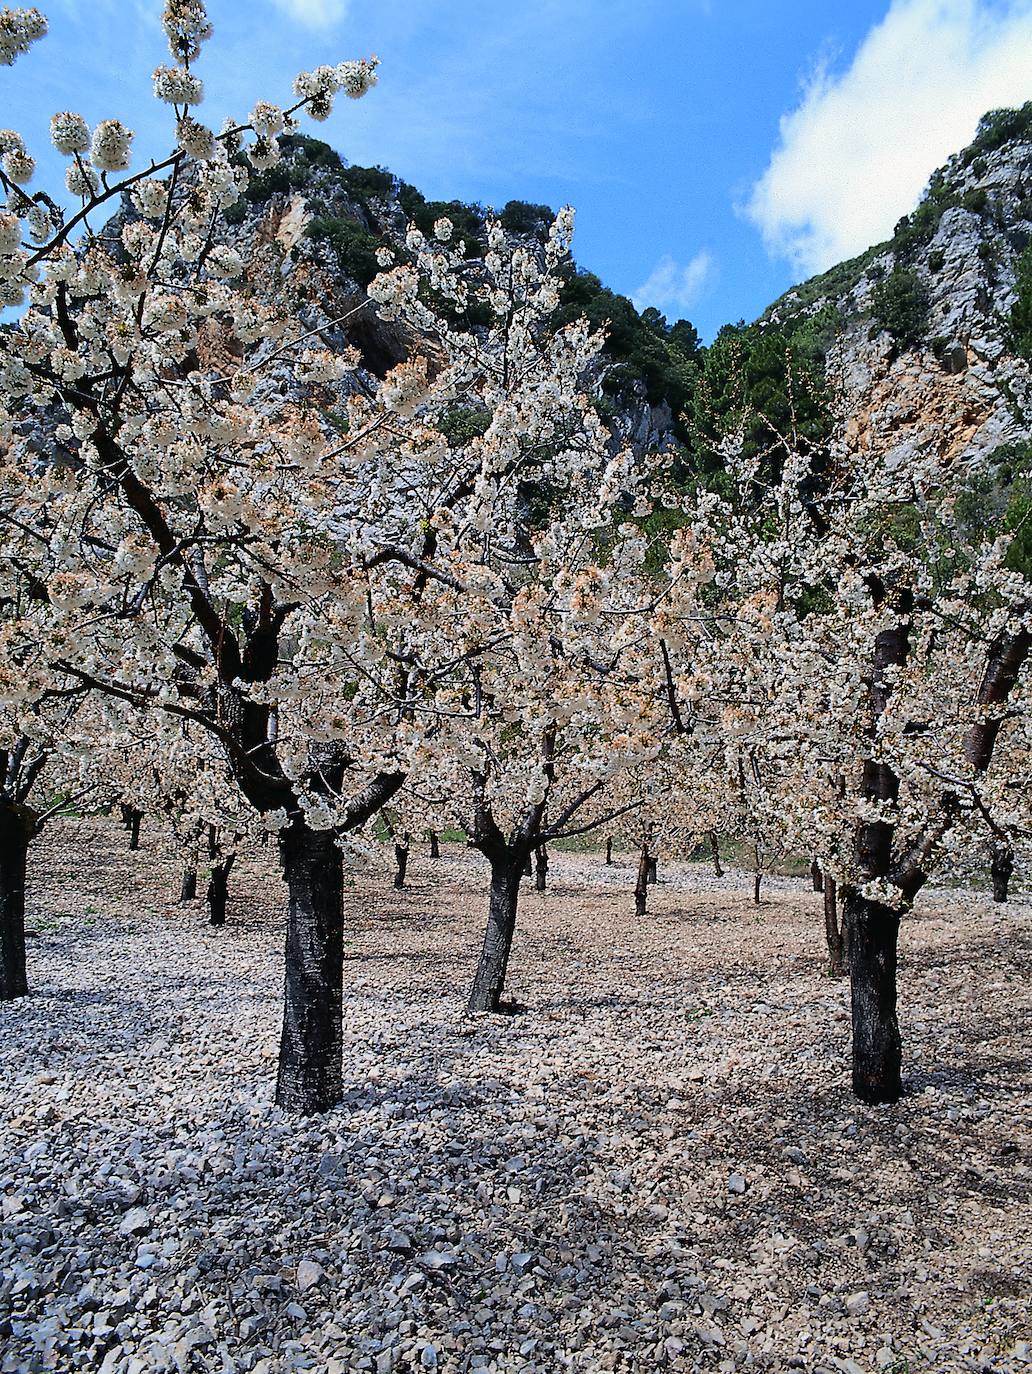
{"x":654,"y":1162}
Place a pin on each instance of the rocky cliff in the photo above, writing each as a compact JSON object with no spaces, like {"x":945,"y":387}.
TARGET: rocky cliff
{"x":922,"y":334}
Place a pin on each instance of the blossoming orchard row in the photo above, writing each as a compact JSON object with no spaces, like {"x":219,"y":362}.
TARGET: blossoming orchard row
{"x":222,"y":609}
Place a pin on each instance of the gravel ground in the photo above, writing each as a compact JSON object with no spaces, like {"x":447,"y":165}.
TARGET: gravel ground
{"x":654,"y":1163}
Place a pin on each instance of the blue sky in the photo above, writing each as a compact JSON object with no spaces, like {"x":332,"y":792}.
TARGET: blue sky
{"x":716,"y":150}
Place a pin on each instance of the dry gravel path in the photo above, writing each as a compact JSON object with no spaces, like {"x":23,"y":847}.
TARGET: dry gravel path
{"x":655,"y":1164}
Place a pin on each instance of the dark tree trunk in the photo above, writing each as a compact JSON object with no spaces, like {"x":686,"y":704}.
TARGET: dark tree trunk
{"x":16,"y":830}
{"x":816,"y":876}
{"x":541,"y":868}
{"x":528,"y":866}
{"x":401,"y":852}
{"x":714,"y":845}
{"x":653,"y":872}
{"x":873,"y":931}
{"x":1002,"y":867}
{"x":609,"y":850}
{"x":310,"y":1060}
{"x":134,"y":829}
{"x":757,"y":875}
{"x":435,"y":848}
{"x":641,"y":886}
{"x":506,"y":873}
{"x":188,"y":887}
{"x":218,"y":891}
{"x":834,"y":933}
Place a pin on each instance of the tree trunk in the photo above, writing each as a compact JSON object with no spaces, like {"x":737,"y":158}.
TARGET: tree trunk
{"x":653,"y":873}
{"x":401,"y":852}
{"x":134,"y":829}
{"x":641,"y":886}
{"x":16,"y":830}
{"x":541,"y":869}
{"x":218,"y":891}
{"x":833,"y":932}
{"x":310,"y":1075}
{"x":715,"y":851}
{"x":528,"y":866}
{"x":435,"y":848}
{"x":1002,"y":867}
{"x":188,"y":887}
{"x":609,"y":849}
{"x":506,"y":873}
{"x":873,"y":931}
{"x":816,"y":876}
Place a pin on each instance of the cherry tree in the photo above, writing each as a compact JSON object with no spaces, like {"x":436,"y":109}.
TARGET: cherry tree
{"x":321,"y":601}
{"x":857,"y":635}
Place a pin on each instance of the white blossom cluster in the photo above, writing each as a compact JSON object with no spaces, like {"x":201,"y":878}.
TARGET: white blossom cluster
{"x":19,"y":29}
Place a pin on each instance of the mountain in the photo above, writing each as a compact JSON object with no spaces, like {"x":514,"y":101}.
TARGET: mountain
{"x":329,"y":219}
{"x":922,"y":343}
{"x":927,"y":338}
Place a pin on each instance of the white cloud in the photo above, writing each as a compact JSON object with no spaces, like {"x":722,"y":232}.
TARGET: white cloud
{"x":672,"y":288}
{"x":857,"y":152}
{"x":317,"y":14}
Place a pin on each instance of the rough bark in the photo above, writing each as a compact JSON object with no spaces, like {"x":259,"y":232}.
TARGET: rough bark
{"x":714,"y":845}
{"x":541,"y":868}
{"x":873,"y":932}
{"x":641,"y":886}
{"x":218,"y":891}
{"x":609,"y":849}
{"x":310,"y":1059}
{"x":401,"y":853}
{"x":435,"y":848}
{"x":834,"y":933}
{"x":188,"y":887}
{"x":1001,"y":869}
{"x":506,"y":872}
{"x":872,"y":929}
{"x":16,"y":831}
{"x":816,"y":876}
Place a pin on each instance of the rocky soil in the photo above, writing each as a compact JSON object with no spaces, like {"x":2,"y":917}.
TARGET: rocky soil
{"x":653,"y":1164}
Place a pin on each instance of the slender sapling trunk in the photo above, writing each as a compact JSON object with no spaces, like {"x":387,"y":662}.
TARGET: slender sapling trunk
{"x":401,"y":853}
{"x":833,"y":932}
{"x":1002,"y":867}
{"x":641,"y":886}
{"x":714,"y":845}
{"x":541,"y":868}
